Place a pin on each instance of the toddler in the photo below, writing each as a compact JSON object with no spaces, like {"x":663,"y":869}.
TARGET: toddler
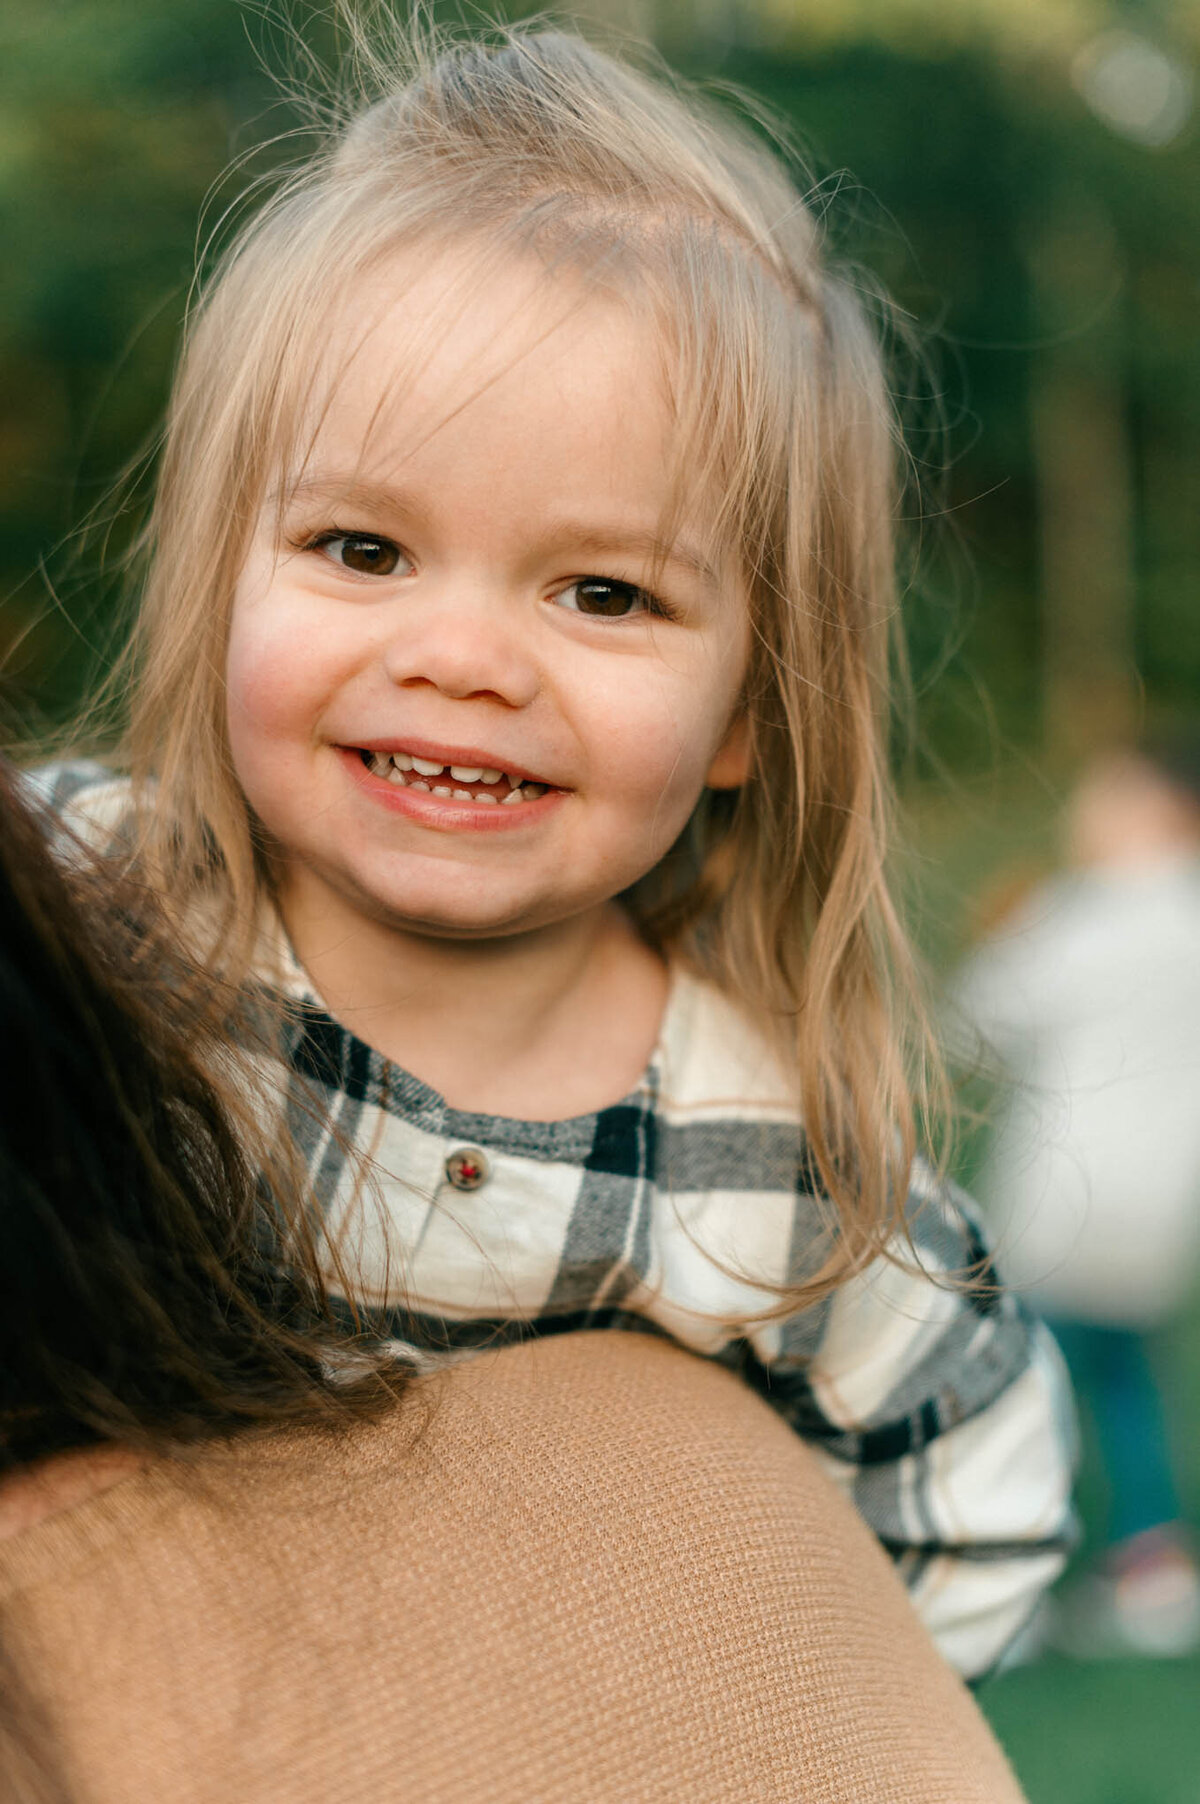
{"x":507,"y":711}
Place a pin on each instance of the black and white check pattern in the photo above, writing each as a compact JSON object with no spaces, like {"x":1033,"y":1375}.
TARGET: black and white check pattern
{"x":939,"y":1407}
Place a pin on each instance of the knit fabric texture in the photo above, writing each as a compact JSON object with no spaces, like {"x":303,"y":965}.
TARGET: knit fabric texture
{"x":591,"y":1569}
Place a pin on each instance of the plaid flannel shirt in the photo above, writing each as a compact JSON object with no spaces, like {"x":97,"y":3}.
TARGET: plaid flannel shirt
{"x":934,"y":1401}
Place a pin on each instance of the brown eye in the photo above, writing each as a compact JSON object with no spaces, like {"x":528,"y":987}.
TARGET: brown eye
{"x":362,"y":553}
{"x":603,"y":598}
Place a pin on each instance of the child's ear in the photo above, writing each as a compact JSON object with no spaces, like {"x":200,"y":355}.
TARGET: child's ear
{"x":730,"y":767}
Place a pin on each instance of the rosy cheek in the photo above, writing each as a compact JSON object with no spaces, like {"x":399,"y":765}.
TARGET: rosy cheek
{"x":660,"y":790}
{"x":264,"y":684}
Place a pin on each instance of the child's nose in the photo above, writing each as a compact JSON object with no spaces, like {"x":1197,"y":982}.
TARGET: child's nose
{"x":472,"y":641}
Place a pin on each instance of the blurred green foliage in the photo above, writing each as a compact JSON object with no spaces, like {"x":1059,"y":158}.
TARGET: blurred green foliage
{"x":115,"y":118}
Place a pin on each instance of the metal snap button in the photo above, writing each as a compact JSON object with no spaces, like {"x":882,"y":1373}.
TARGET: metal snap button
{"x":468,"y":1168}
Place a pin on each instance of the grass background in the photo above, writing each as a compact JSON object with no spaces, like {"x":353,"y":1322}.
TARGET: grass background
{"x":1118,"y":1731}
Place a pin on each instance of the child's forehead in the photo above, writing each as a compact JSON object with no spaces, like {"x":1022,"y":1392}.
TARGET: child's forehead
{"x":451,"y":373}
{"x":434,"y":332}
{"x":447,"y":364}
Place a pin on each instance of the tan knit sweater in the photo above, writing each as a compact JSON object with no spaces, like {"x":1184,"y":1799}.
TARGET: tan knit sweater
{"x":581,"y":1572}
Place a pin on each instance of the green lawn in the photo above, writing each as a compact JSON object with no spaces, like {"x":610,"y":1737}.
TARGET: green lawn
{"x":1120,"y":1731}
{"x":1126,"y":1732}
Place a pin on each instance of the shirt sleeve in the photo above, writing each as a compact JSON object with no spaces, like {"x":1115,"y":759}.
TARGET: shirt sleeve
{"x":83,"y":803}
{"x":942,"y":1409}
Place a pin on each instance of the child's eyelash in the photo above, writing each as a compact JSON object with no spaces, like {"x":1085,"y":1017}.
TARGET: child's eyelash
{"x":651,"y":603}
{"x":392,"y":553}
{"x":313,"y":541}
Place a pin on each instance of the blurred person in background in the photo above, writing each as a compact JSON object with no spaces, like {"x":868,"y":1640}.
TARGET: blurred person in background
{"x":1090,"y":997}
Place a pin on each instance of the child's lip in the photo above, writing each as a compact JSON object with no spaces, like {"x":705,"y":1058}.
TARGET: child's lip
{"x":446,"y":812}
{"x":446,"y":755}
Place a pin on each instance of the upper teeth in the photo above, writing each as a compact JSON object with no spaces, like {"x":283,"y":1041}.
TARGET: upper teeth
{"x":394,"y":766}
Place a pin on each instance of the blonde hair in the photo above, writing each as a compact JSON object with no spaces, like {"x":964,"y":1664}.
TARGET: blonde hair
{"x":535,"y":141}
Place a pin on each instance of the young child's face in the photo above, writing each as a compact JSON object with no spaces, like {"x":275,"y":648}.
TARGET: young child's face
{"x":457,"y":585}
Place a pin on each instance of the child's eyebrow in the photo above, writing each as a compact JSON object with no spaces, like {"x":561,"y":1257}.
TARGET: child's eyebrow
{"x":348,"y":490}
{"x":583,"y":538}
{"x":636,"y":543}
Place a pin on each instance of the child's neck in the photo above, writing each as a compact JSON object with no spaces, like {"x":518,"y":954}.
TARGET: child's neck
{"x":538,"y":1026}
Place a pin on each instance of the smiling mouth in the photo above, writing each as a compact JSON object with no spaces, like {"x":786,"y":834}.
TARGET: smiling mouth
{"x":452,"y":782}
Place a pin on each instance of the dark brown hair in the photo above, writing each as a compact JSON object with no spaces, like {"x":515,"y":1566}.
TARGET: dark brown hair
{"x":158,"y":1283}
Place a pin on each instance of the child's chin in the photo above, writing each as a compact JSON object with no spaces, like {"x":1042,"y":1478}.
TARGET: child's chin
{"x":459,"y":920}
{"x":491,"y":918}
